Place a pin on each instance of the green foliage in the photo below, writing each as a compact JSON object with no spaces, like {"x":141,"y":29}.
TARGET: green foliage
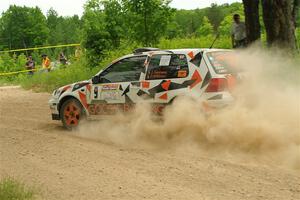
{"x":63,"y":30}
{"x":107,"y":23}
{"x":95,"y":36}
{"x":195,"y":42}
{"x":298,"y":37}
{"x":225,"y":27}
{"x":114,"y":21}
{"x":23,"y":27}
{"x":215,"y":14}
{"x":189,"y":20}
{"x":14,"y":63}
{"x":205,"y":29}
{"x":43,"y":81}
{"x":11,"y":189}
{"x":173,"y":30}
{"x":147,"y":20}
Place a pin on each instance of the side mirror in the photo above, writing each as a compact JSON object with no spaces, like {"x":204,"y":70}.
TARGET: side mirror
{"x":96,"y":79}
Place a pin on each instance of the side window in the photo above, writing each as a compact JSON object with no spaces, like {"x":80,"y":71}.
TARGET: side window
{"x":167,"y":67}
{"x":125,"y":70}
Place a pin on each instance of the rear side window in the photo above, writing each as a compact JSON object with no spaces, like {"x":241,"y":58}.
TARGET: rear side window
{"x":167,"y":66}
{"x":223,"y":62}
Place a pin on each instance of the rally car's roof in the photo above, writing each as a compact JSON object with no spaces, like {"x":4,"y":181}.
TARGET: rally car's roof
{"x":150,"y":51}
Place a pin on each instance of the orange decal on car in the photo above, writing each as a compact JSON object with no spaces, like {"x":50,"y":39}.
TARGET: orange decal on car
{"x":182,"y":74}
{"x":66,"y":88}
{"x":145,"y":84}
{"x":164,"y":96}
{"x":88,"y":87}
{"x":197,"y":78}
{"x":191,"y":55}
{"x":82,"y":97}
{"x":166,"y":85}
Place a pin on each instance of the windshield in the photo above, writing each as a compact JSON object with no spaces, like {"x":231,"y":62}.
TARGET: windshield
{"x":223,"y":62}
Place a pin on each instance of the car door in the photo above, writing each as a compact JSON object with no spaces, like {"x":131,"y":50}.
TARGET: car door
{"x":118,"y":85}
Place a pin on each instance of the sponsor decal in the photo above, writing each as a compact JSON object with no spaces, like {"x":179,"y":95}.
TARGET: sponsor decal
{"x":182,"y":74}
{"x":108,"y":109}
{"x":110,"y":92}
{"x":159,"y":74}
{"x":165,"y":60}
{"x":110,"y":87}
{"x":110,"y":95}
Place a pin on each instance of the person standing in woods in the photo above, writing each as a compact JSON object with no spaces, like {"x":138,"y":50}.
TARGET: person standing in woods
{"x":62,"y":58}
{"x":30,"y":65}
{"x":46,"y":63}
{"x":238,"y":33}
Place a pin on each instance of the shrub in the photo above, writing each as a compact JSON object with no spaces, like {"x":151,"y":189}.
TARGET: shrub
{"x":195,"y":42}
{"x":11,"y":189}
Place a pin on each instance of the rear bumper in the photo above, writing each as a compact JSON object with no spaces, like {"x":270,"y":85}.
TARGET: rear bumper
{"x":220,"y":100}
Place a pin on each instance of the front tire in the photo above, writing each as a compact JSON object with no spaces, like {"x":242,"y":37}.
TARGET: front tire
{"x":71,"y":113}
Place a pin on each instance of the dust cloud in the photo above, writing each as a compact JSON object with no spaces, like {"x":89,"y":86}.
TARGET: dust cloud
{"x":262,"y":124}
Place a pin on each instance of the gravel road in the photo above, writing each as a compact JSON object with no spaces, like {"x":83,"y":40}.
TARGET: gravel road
{"x":62,"y":165}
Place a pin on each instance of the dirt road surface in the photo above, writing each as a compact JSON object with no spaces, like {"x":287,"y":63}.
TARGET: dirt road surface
{"x":41,"y":153}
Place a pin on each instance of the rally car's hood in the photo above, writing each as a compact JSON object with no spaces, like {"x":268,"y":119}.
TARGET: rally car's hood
{"x":72,"y":87}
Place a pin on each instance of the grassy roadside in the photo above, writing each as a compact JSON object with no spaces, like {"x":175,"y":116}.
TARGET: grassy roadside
{"x":77,"y":71}
{"x":11,"y":189}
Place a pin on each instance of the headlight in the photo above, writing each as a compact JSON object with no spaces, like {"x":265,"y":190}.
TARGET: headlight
{"x":56,"y":93}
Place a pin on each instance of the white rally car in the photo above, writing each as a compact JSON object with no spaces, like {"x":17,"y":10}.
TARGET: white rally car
{"x":149,"y":75}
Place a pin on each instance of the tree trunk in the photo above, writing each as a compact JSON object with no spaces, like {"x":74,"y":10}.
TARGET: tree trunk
{"x":279,"y":23}
{"x":296,"y":5}
{"x":251,"y":9}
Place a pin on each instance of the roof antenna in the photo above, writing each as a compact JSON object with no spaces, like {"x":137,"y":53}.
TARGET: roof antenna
{"x":217,"y":36}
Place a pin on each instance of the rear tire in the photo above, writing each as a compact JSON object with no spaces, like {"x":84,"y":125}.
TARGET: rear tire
{"x":71,"y":113}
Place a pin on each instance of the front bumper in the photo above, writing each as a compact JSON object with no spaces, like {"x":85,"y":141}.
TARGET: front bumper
{"x":55,"y":116}
{"x":53,"y":103}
